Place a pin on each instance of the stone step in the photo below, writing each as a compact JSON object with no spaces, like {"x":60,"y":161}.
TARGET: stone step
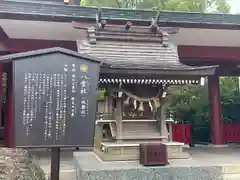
{"x":130,"y":151}
{"x":150,"y":137}
{"x":132,"y":129}
{"x":137,"y":125}
{"x":140,"y":130}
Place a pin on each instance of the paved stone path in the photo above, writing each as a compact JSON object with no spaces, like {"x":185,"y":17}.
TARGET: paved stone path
{"x":206,"y":156}
{"x":67,"y":170}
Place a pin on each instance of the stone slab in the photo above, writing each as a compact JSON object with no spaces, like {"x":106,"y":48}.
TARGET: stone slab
{"x":115,"y":151}
{"x":90,"y":167}
{"x":231,"y":169}
{"x":231,"y":176}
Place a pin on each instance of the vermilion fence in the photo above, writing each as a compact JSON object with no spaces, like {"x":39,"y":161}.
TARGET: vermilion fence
{"x":181,"y":133}
{"x":231,"y":132}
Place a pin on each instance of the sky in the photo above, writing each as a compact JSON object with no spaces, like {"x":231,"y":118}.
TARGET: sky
{"x":235,"y":6}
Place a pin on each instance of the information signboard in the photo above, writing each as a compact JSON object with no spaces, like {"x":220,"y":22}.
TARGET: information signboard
{"x":54,"y":100}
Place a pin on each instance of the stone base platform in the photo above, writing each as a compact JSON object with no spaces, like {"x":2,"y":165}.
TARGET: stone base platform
{"x":90,"y":167}
{"x":114,"y":151}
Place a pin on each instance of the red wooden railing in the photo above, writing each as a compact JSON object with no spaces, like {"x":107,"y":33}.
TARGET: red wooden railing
{"x":181,"y":133}
{"x":231,"y":132}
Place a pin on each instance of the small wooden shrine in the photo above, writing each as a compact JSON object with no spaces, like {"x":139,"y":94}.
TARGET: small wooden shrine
{"x":141,"y":65}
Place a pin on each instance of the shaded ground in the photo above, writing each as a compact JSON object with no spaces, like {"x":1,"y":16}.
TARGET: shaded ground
{"x":213,"y":156}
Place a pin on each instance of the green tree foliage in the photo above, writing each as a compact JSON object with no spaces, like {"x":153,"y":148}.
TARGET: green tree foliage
{"x":166,"y":5}
{"x":189,"y":104}
{"x":230,"y":99}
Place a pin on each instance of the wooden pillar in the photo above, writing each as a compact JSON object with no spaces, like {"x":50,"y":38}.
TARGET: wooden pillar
{"x":110,"y":108}
{"x":106,"y":110}
{"x":8,"y":115}
{"x":118,"y":117}
{"x":164,"y":131}
{"x":1,"y":93}
{"x":216,"y":131}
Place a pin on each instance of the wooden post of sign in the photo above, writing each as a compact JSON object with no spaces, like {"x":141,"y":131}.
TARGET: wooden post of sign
{"x":55,"y":163}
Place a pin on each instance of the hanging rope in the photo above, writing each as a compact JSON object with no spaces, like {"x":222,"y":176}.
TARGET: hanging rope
{"x":155,"y":100}
{"x":140,"y":99}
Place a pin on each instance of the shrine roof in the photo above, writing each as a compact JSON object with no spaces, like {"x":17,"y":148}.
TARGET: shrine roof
{"x":137,"y":51}
{"x":17,"y":56}
{"x":10,"y":9}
